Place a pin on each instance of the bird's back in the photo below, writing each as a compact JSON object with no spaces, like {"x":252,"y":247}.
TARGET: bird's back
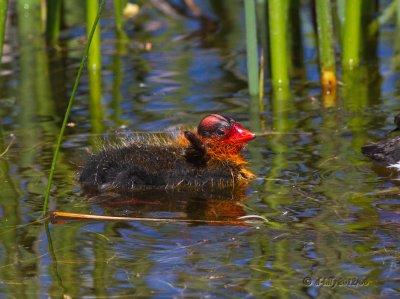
{"x":386,"y":152}
{"x":160,"y":164}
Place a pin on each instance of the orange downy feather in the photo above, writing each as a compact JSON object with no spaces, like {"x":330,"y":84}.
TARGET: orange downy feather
{"x":219,"y":151}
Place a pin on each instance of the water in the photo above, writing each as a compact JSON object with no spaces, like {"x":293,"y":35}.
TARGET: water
{"x":334,"y":217}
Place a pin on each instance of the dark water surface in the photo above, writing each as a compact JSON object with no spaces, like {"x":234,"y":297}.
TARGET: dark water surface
{"x":333,"y":216}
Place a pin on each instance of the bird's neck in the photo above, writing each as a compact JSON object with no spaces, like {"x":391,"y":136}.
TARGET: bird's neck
{"x":217,"y":150}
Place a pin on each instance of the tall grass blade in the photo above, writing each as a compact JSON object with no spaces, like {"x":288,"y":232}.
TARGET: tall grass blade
{"x":251,"y":46}
{"x":68,"y":111}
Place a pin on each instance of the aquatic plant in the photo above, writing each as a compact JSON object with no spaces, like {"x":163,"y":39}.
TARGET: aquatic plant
{"x":278,"y":32}
{"x":69,"y":107}
{"x":326,"y":44}
{"x":94,"y":69}
{"x":352,"y":34}
{"x":251,"y":46}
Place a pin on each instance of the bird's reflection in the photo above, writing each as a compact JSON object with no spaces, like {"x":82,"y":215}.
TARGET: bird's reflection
{"x":203,"y":205}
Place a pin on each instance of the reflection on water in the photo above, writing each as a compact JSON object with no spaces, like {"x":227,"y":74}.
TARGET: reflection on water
{"x":226,"y":204}
{"x":331,"y":212}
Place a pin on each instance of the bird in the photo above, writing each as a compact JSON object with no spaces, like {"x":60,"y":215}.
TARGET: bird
{"x":205,"y":159}
{"x":386,"y":151}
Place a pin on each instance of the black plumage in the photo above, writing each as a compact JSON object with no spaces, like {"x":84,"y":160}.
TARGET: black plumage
{"x":386,"y":151}
{"x":144,"y":166}
{"x":203,"y":160}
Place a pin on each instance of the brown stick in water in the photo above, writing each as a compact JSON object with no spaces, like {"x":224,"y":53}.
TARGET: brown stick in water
{"x":59,"y":215}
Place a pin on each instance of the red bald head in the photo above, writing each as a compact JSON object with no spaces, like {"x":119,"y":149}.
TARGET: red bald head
{"x":224,"y":129}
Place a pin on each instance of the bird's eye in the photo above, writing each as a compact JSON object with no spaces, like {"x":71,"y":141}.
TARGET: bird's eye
{"x":220,"y":132}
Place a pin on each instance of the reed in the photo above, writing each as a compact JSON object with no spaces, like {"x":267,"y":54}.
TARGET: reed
{"x":94,"y":70}
{"x":295,"y":41}
{"x":351,"y":43}
{"x":326,"y":45}
{"x":68,"y":111}
{"x":119,"y":20}
{"x":262,"y":28}
{"x":53,"y":21}
{"x":278,"y":31}
{"x":262,"y":21}
{"x":28,"y":25}
{"x":94,"y":58}
{"x":251,"y":46}
{"x":3,"y":18}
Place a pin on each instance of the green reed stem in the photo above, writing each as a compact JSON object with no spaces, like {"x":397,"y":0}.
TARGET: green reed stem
{"x":69,"y":107}
{"x":325,"y":35}
{"x":251,"y":46}
{"x":53,"y":21}
{"x":94,"y":69}
{"x":278,"y":20}
{"x":352,"y":34}
{"x":295,"y":40}
{"x":94,"y":59}
{"x":262,"y":27}
{"x":119,"y":20}
{"x":3,"y":17}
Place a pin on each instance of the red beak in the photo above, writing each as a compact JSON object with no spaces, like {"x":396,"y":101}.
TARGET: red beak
{"x":239,"y":135}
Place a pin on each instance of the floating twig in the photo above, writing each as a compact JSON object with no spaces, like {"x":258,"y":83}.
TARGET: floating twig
{"x":59,"y":215}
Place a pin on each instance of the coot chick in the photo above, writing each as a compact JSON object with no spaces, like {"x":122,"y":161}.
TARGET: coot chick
{"x":387,"y":151}
{"x":202,"y":159}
